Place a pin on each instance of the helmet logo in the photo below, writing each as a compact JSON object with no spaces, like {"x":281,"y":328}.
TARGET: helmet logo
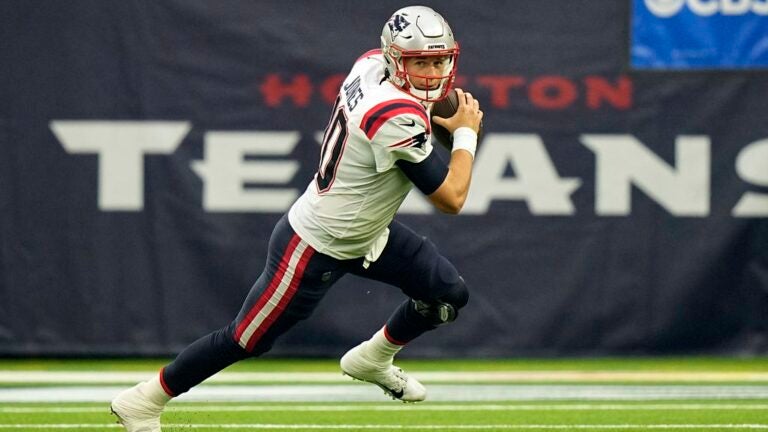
{"x":397,"y":24}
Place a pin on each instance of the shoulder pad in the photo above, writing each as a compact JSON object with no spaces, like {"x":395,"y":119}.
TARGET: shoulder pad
{"x":378,"y":115}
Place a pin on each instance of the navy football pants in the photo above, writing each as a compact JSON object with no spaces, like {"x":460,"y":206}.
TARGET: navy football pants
{"x":293,"y":282}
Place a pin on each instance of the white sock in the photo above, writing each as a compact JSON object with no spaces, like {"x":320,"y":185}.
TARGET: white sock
{"x":380,"y":349}
{"x":154,"y":392}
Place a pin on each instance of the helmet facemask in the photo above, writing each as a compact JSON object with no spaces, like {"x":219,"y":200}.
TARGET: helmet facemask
{"x":433,"y":87}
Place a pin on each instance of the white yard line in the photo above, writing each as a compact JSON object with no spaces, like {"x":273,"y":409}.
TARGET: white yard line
{"x":176,"y":407}
{"x":257,"y":426}
{"x":361,"y":392}
{"x":85,"y":377}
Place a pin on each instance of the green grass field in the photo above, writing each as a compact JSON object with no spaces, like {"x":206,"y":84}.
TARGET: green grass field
{"x":691,"y":394}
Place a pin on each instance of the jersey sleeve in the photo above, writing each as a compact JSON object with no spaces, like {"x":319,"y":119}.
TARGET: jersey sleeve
{"x":398,"y":130}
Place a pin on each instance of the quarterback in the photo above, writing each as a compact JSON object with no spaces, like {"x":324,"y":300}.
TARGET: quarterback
{"x":377,"y":146}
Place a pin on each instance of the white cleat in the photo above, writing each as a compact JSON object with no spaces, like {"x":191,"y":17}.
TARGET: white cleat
{"x":391,"y":379}
{"x":135,"y":412}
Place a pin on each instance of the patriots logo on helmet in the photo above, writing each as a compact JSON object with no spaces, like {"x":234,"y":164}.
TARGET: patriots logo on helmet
{"x":397,"y":24}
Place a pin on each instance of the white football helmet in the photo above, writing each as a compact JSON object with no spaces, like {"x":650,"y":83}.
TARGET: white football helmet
{"x":419,"y":31}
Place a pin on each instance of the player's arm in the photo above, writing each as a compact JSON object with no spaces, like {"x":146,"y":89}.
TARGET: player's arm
{"x":450,"y":196}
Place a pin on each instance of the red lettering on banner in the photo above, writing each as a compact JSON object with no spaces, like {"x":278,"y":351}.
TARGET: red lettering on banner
{"x":599,"y":90}
{"x":461,"y":81}
{"x":274,"y":90}
{"x":552,"y":92}
{"x":330,"y":88}
{"x":499,"y":85}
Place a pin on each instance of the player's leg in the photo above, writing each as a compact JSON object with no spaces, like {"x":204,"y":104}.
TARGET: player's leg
{"x":294,"y":280}
{"x":435,"y":289}
{"x":436,"y":293}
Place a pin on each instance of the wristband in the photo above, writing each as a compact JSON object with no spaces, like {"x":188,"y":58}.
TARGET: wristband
{"x":464,"y":138}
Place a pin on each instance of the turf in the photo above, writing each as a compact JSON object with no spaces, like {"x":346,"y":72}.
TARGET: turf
{"x":497,"y":417}
{"x":713,"y":414}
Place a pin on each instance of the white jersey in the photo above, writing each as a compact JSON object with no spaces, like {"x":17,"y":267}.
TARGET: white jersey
{"x":358,"y":188}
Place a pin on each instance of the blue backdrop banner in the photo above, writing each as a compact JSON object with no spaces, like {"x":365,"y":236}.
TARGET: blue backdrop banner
{"x":697,"y":34}
{"x":149,"y":147}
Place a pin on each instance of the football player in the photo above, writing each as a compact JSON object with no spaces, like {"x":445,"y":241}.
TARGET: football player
{"x":376,"y":147}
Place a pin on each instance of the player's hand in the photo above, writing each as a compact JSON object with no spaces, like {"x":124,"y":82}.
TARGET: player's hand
{"x":468,"y":114}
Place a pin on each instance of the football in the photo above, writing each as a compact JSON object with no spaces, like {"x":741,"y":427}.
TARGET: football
{"x":447,"y":108}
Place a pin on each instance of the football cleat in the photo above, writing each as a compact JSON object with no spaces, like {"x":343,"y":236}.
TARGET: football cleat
{"x":395,"y":383}
{"x":135,"y":412}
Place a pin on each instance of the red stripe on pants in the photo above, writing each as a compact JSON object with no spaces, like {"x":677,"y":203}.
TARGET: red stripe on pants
{"x":284,"y":300}
{"x":273,"y":284}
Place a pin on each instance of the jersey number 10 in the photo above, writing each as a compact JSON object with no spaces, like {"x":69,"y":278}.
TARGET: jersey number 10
{"x":334,"y":141}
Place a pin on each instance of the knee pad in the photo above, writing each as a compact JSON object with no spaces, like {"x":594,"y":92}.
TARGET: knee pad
{"x":444,"y":309}
{"x":458,"y":295}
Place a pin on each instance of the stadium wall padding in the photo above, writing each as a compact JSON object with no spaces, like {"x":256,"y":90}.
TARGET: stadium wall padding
{"x":149,"y":147}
